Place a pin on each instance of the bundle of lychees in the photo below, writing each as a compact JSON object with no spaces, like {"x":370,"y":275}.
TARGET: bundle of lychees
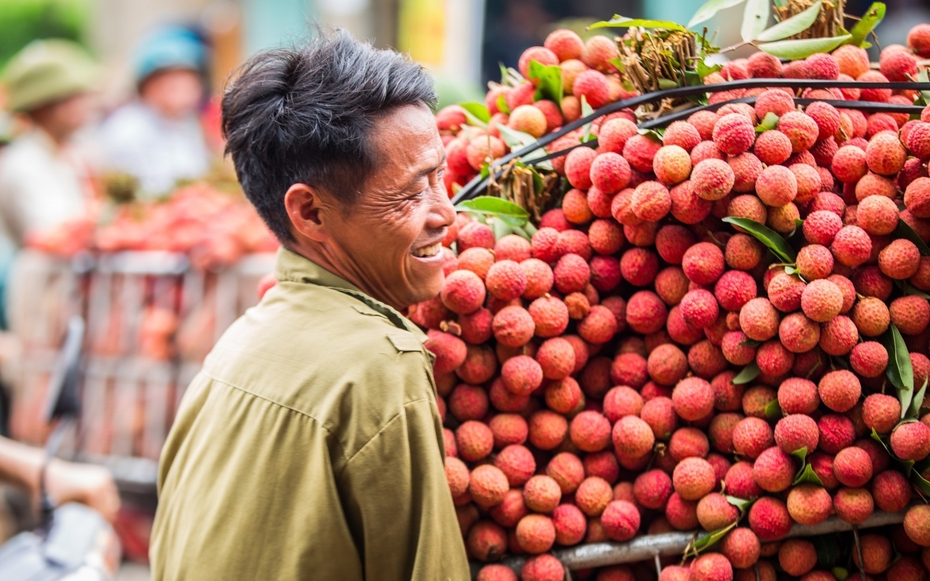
{"x":722,"y":329}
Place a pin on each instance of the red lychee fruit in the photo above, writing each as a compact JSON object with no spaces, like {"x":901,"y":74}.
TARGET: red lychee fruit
{"x":773,"y":470}
{"x":911,"y":441}
{"x":809,"y":504}
{"x":620,"y":520}
{"x":712,"y":179}
{"x":795,"y":432}
{"x":917,"y":524}
{"x":488,"y":485}
{"x":852,"y":467}
{"x":542,"y":568}
{"x":769,"y":518}
{"x":565,"y":44}
{"x":694,"y":478}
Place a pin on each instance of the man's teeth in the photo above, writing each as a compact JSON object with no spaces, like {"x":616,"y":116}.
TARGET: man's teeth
{"x":428,"y":251}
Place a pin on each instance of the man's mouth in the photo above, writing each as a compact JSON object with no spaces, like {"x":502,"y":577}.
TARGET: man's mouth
{"x":428,"y":251}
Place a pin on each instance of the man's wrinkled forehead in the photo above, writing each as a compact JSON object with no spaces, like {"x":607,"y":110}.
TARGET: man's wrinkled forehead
{"x":405,"y":144}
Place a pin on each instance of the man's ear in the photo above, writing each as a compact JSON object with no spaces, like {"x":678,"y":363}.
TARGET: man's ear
{"x":308,"y":210}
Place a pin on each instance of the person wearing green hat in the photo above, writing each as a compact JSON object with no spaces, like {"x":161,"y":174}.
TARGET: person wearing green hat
{"x":43,"y":182}
{"x":157,"y":137}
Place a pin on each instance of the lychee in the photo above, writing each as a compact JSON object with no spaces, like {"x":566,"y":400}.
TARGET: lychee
{"x":694,"y":478}
{"x":620,"y":520}
{"x":809,"y":504}
{"x":488,"y":485}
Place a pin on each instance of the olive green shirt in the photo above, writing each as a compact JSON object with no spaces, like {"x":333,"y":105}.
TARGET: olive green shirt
{"x":309,"y":447}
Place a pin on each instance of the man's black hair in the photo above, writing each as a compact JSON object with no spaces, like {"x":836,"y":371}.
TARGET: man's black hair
{"x":306,"y":115}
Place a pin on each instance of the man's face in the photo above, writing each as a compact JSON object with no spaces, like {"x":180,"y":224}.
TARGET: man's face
{"x":390,"y":239}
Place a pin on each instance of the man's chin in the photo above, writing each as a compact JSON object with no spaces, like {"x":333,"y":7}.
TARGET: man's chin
{"x":428,"y":289}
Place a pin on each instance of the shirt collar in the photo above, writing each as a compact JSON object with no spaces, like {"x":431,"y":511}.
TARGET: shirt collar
{"x":294,"y":267}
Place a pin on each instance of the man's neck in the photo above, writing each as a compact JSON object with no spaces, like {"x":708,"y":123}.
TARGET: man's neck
{"x":319,"y":256}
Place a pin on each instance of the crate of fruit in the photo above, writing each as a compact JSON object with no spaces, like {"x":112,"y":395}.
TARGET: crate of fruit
{"x":684,"y":328}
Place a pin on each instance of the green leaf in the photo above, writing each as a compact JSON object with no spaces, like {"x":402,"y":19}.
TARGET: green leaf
{"x":878,"y":438}
{"x":741,"y":504}
{"x":474,"y":121}
{"x":869,"y":21}
{"x":755,"y":19}
{"x":769,"y":122}
{"x":515,"y":139}
{"x":801,"y":454}
{"x":501,"y":228}
{"x":585,"y":111}
{"x":503,"y":210}
{"x":914,"y":411}
{"x":773,"y":410}
{"x":791,"y":26}
{"x":707,"y":11}
{"x":748,"y":373}
{"x":623,"y":22}
{"x":550,"y":81}
{"x":477,"y":110}
{"x":923,"y":76}
{"x":765,"y":235}
{"x":900,"y":372}
{"x":704,"y":69}
{"x":522,"y":233}
{"x":803,"y":47}
{"x":502,"y":105}
{"x":807,"y":476}
{"x":750,"y":343}
{"x":904,"y":230}
{"x":709,"y":540}
{"x":920,"y":482}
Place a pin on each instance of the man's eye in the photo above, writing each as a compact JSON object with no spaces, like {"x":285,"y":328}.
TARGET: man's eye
{"x":440,"y":173}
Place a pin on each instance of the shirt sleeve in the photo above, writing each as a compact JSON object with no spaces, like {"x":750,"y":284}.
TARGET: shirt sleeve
{"x":394,"y":490}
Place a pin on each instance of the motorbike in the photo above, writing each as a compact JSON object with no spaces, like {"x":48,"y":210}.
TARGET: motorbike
{"x":72,"y":542}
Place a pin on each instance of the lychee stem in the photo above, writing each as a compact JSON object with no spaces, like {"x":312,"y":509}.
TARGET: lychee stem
{"x":855,"y":531}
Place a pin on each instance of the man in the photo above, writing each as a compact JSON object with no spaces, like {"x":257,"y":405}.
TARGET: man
{"x":158,"y":138}
{"x":43,"y":183}
{"x":310,"y":446}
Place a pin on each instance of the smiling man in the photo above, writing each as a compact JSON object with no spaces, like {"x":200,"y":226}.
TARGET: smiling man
{"x":310,"y":446}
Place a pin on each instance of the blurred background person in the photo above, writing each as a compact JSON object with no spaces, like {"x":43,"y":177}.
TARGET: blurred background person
{"x":157,"y":137}
{"x":43,"y":180}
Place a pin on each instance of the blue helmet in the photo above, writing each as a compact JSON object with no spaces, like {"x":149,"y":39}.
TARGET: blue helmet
{"x":173,"y":47}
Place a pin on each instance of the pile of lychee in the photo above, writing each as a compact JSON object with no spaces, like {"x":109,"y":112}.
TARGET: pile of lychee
{"x":646,"y":363}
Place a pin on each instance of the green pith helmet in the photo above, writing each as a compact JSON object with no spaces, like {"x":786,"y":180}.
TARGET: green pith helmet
{"x":46,"y":71}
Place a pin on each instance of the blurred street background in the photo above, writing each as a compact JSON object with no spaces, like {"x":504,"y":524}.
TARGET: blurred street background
{"x":116,"y":205}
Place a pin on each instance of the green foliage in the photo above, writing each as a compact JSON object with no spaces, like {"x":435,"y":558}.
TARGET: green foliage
{"x":770,"y":238}
{"x":748,"y":373}
{"x":803,"y":47}
{"x":711,"y":8}
{"x":900,"y":372}
{"x":26,"y":20}
{"x":791,"y":26}
{"x":478,"y":111}
{"x":869,"y":21}
{"x":550,"y":81}
{"x":623,"y":22}
{"x":755,"y":19}
{"x":489,"y":206}
{"x":769,"y":122}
